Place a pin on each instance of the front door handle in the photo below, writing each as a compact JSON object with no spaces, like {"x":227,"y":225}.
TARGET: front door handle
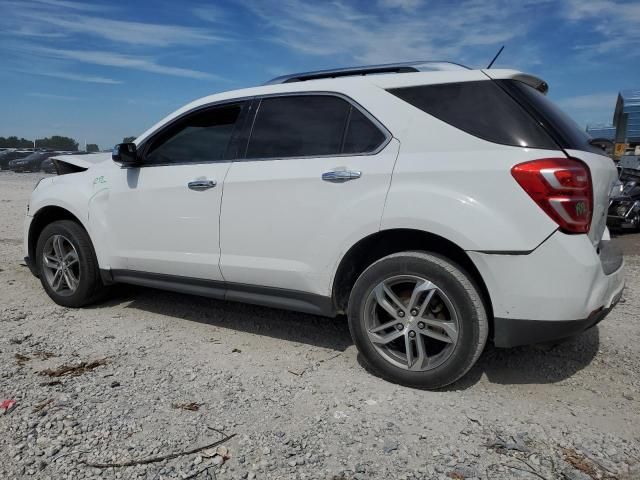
{"x":199,"y":185}
{"x":341,"y":176}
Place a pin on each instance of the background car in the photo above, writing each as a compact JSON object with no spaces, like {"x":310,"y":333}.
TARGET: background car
{"x":30,"y":163}
{"x":48,"y":166}
{"x":7,"y":156}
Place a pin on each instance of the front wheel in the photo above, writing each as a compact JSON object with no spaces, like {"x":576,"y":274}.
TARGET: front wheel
{"x":417,"y":319}
{"x":67,"y":265}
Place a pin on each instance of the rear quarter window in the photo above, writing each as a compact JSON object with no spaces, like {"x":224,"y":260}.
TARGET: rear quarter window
{"x":480,"y":108}
{"x":561,"y":126}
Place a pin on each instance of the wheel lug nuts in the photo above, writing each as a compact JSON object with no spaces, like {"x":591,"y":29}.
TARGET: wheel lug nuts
{"x":400,"y":313}
{"x":414,"y":312}
{"x":421,"y":325}
{"x":412,"y":334}
{"x":399,"y":326}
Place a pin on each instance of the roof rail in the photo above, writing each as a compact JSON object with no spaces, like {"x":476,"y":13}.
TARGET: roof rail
{"x":404,"y":67}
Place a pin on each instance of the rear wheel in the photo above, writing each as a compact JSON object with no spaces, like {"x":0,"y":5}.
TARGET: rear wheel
{"x":417,"y":319}
{"x":67,"y":265}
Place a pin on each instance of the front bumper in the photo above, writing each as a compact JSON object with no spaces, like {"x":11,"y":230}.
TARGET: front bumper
{"x":561,"y":288}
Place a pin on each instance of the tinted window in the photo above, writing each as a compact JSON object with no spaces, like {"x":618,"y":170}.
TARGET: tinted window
{"x":480,"y":108}
{"x":298,"y":126}
{"x":201,"y":137}
{"x":362,"y":135}
{"x":561,"y":126}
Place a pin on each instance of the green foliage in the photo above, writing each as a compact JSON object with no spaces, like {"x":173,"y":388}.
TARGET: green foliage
{"x":128,"y":139}
{"x":56,"y":142}
{"x":92,"y":147}
{"x":15,"y":142}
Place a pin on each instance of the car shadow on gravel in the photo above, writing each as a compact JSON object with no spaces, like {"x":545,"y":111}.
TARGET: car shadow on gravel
{"x":533,"y":364}
{"x":330,"y":333}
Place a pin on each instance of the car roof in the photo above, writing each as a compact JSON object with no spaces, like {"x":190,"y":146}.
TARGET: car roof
{"x":344,"y":84}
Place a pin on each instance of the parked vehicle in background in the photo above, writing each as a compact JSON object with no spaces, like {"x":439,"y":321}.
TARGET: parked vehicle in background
{"x":624,"y":208}
{"x":436,"y":206}
{"x":48,"y":166}
{"x":9,"y":155}
{"x":30,"y":163}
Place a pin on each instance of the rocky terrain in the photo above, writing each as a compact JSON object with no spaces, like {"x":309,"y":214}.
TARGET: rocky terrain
{"x":147,"y":376}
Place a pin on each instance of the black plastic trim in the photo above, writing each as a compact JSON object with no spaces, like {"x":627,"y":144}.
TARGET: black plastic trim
{"x":404,"y":67}
{"x":258,"y":295}
{"x":31,"y":266}
{"x":515,"y":252}
{"x":510,"y":332}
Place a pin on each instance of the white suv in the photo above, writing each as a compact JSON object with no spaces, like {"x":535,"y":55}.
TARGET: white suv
{"x":435,"y":205}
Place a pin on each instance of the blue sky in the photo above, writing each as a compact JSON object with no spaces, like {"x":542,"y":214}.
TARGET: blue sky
{"x":101,"y":70}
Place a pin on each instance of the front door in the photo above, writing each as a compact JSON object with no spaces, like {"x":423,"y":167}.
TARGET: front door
{"x":162,"y":217}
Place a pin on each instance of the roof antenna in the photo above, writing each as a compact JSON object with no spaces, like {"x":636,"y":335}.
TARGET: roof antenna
{"x":496,"y":57}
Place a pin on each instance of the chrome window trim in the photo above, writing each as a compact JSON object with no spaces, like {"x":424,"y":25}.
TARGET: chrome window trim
{"x":387,"y":134}
{"x":146,"y":141}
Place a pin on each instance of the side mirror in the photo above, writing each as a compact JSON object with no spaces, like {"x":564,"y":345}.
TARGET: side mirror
{"x":126,"y":154}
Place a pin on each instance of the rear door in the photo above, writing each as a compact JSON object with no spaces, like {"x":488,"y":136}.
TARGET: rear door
{"x":314,"y":180}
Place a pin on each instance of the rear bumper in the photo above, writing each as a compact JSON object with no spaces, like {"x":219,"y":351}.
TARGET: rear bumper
{"x":561,"y":288}
{"x":509,"y":332}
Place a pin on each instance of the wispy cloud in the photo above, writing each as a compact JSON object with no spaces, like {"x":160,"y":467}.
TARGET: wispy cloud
{"x":404,"y":4}
{"x":81,"y":6}
{"x":68,"y":18}
{"x":51,"y":96}
{"x":616,"y":24}
{"x":78,"y":77}
{"x":392,"y":35}
{"x":136,"y":33}
{"x":209,"y":13}
{"x":117,"y":60}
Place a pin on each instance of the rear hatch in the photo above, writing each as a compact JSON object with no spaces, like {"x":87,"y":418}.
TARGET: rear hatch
{"x":574,"y":141}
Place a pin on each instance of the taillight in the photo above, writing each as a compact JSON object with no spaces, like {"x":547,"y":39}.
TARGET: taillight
{"x":562,"y":188}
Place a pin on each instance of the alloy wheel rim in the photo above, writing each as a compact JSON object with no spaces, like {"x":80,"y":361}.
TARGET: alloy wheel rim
{"x":61,"y":265}
{"x":411,"y":322}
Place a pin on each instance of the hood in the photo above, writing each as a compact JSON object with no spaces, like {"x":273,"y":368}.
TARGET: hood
{"x":84,"y":161}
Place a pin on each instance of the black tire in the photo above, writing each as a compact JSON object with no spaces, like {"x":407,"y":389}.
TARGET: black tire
{"x":461,"y":293}
{"x":90,"y":287}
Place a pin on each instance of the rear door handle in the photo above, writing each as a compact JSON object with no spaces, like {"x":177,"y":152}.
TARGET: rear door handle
{"x":341,"y":176}
{"x":199,"y":185}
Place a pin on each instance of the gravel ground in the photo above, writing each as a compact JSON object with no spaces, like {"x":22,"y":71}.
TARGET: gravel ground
{"x":166,"y":373}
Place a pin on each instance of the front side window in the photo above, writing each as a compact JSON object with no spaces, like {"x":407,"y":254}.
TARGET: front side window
{"x":310,"y":126}
{"x":203,"y":136}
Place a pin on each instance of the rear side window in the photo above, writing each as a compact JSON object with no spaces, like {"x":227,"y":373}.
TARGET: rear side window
{"x":361,"y":134}
{"x":560,"y":125}
{"x":310,"y":125}
{"x":480,"y":108}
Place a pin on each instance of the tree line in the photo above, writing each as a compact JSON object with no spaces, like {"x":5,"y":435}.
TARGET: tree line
{"x":55,"y":142}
